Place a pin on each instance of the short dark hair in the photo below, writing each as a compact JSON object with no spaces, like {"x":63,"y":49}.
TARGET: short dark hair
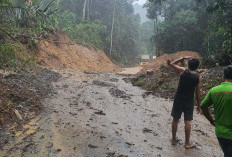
{"x":228,"y":72}
{"x":193,"y":63}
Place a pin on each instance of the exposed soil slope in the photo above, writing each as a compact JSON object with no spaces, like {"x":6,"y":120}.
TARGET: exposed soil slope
{"x":59,"y":51}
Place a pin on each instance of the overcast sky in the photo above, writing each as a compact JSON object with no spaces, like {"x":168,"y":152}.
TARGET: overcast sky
{"x":141,"y":2}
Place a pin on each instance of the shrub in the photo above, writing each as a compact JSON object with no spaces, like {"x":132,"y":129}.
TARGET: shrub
{"x":7,"y":56}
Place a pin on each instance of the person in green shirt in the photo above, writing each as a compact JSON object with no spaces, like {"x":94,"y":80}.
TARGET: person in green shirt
{"x":221,"y":99}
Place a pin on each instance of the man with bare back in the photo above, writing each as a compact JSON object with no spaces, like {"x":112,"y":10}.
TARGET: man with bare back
{"x":189,"y":82}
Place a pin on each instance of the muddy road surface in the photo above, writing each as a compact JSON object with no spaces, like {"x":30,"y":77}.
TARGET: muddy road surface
{"x":133,"y":70}
{"x":102,"y":115}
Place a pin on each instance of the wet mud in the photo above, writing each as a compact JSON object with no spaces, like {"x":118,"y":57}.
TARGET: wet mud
{"x":101,"y":115}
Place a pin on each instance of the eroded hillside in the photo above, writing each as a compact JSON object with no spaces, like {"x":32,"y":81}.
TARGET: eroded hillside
{"x":59,"y":51}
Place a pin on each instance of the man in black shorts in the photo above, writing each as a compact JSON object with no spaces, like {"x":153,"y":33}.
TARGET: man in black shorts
{"x":189,"y":82}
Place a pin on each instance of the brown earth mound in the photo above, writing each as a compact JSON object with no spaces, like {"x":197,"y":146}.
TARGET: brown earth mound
{"x":161,"y":61}
{"x":59,"y":51}
{"x":164,"y":81}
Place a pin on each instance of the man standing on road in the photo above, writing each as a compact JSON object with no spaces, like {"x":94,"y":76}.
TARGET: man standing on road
{"x":189,"y":82}
{"x":221,"y":98}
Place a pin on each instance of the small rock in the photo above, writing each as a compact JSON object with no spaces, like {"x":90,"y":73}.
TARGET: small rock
{"x":59,"y":150}
{"x":92,"y":146}
{"x":100,"y":112}
{"x":146,"y":130}
{"x":160,"y":148}
{"x":130,"y":144}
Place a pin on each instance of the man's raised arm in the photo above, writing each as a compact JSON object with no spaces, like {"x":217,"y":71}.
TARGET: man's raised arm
{"x":175,"y":65}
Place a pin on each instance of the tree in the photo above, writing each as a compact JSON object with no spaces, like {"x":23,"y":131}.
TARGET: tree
{"x":106,"y":24}
{"x":211,"y":34}
{"x":84,"y":9}
{"x":112,"y":30}
{"x":176,"y":25}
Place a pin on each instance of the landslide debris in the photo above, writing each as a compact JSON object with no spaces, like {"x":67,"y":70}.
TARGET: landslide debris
{"x":20,"y":97}
{"x":161,"y":61}
{"x":164,"y":81}
{"x":59,"y":51}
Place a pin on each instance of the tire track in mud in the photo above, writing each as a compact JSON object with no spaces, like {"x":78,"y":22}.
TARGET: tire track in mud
{"x":101,"y":115}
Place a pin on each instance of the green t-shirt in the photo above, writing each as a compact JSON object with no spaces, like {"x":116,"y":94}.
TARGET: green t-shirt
{"x":221,"y":99}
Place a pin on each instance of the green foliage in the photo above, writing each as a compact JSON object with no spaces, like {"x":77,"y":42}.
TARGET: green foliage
{"x":176,"y":26}
{"x":140,"y":82}
{"x":120,"y":58}
{"x":5,"y":2}
{"x":92,"y":33}
{"x":165,"y":85}
{"x":186,"y":18}
{"x":198,"y":25}
{"x":21,"y":14}
{"x":67,"y":21}
{"x":7,"y":56}
{"x":11,"y":59}
{"x":126,"y":38}
{"x":94,"y":29}
{"x":220,"y":30}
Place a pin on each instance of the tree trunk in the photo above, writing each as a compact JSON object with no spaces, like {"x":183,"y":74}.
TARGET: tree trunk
{"x":57,"y":3}
{"x":208,"y":32}
{"x":112,"y":30}
{"x":156,"y":32}
{"x":84,"y":8}
{"x":88,"y":11}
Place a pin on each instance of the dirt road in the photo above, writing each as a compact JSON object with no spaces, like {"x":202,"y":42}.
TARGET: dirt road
{"x":99,"y":115}
{"x":134,"y":70}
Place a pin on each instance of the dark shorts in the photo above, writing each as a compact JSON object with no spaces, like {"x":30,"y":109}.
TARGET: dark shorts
{"x":182,"y":104}
{"x":226,"y":146}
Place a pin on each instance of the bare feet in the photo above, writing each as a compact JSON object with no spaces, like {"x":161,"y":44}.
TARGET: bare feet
{"x":175,"y":141}
{"x":189,"y":146}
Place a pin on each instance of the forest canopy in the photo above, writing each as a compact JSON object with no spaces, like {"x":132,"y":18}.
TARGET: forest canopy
{"x":109,"y":25}
{"x":204,"y":26}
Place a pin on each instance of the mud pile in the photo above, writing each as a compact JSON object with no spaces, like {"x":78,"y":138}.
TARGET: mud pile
{"x":59,"y":51}
{"x":20,"y":98}
{"x":164,"y":81}
{"x":161,"y":61}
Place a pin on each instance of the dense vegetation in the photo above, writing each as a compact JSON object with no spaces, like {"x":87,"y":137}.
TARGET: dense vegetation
{"x":109,"y":25}
{"x":112,"y":26}
{"x":204,"y":26}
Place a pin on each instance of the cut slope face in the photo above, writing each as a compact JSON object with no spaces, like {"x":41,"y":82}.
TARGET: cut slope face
{"x":61,"y":52}
{"x":162,"y":60}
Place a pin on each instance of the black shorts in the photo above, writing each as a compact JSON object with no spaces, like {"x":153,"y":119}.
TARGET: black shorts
{"x":182,"y":104}
{"x":226,"y":146}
